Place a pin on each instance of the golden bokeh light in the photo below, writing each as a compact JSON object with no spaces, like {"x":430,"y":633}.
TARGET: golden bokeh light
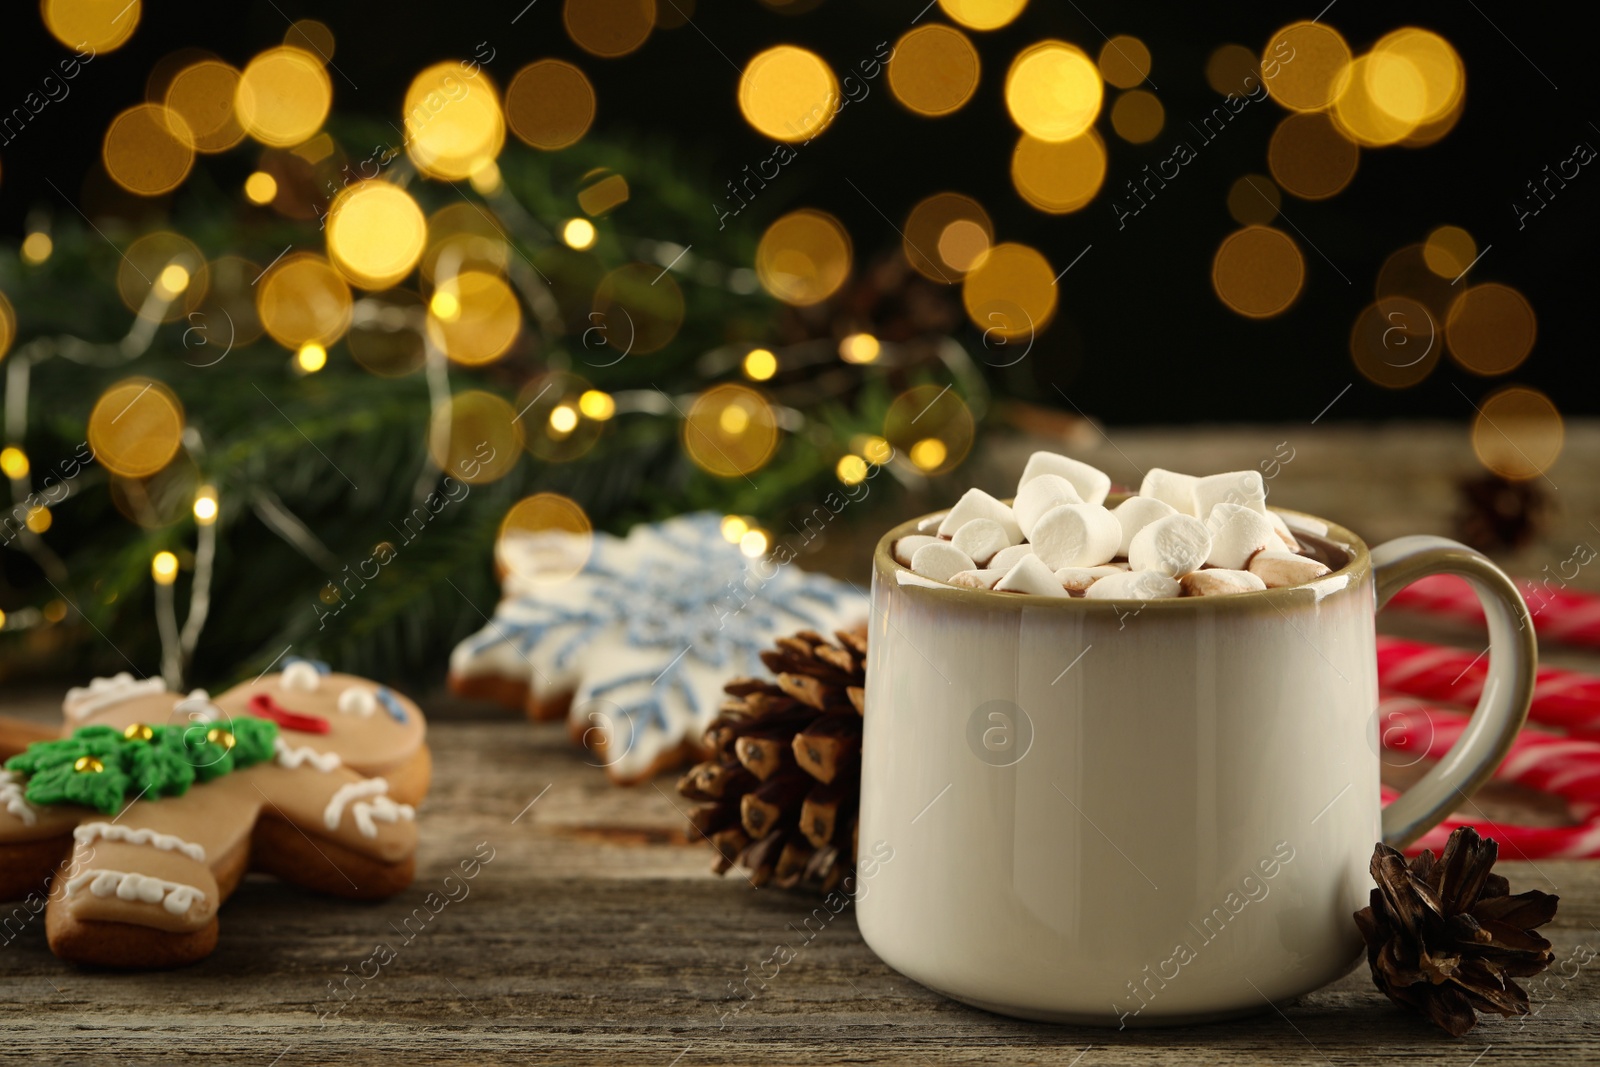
{"x":385,"y":335}
{"x":205,"y":505}
{"x":303,"y":300}
{"x":609,"y":28}
{"x":731,"y":431}
{"x":1518,"y":433}
{"x":554,"y":412}
{"x":963,"y":243}
{"x":1137,"y":116}
{"x":164,"y":568}
{"x":640,"y":308}
{"x":1011,"y":294}
{"x":376,"y":233}
{"x":486,"y":319}
{"x":734,"y":527}
{"x":851,"y":469}
{"x":1416,"y":75}
{"x":445,"y":305}
{"x":760,"y":364}
{"x":1059,"y":176}
{"x":225,"y":317}
{"x":311,"y":36}
{"x":983,"y":14}
{"x":203,"y":94}
{"x":1258,"y":271}
{"x":1309,"y":157}
{"x":1449,"y":251}
{"x":859,"y":348}
{"x":925,"y":229}
{"x":754,"y":544}
{"x":311,"y":358}
{"x":933,"y":69}
{"x":453,"y":121}
{"x":550,"y":104}
{"x":1490,"y":329}
{"x":38,"y":519}
{"x":260,"y":187}
{"x":1406,"y":274}
{"x":463,"y":236}
{"x":136,"y":427}
{"x":1053,"y":91}
{"x":36,"y":247}
{"x":146,"y":269}
{"x":932,"y":426}
{"x":148,"y":150}
{"x":486,"y":179}
{"x":1394,"y":344}
{"x":602,"y":191}
{"x":1124,"y":61}
{"x":788,"y":93}
{"x":1253,"y":200}
{"x":1233,"y":68}
{"x":1309,"y":81}
{"x":475,"y":437}
{"x":8,"y":326}
{"x":14,"y":462}
{"x":544,"y":539}
{"x":803,"y":257}
{"x":95,"y":25}
{"x":283,"y":97}
{"x":578,"y":234}
{"x":1362,"y":114}
{"x":874,"y":448}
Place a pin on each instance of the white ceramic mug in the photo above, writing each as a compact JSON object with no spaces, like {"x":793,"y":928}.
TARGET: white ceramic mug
{"x":1126,"y":812}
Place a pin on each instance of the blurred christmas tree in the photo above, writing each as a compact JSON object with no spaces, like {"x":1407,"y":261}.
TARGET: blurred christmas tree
{"x":299,"y":417}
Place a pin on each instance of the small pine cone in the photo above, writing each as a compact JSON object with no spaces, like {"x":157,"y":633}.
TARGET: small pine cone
{"x":1446,"y":938}
{"x":778,"y":795}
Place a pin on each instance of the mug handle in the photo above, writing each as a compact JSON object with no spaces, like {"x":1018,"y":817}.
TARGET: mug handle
{"x":1507,"y":691}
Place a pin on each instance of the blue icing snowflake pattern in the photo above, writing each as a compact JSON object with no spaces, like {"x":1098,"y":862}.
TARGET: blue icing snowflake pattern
{"x":680,"y":594}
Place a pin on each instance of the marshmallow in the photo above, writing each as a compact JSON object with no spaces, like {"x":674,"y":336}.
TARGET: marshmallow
{"x":907,"y":547}
{"x":1076,"y":535}
{"x":1133,"y":585}
{"x":940,"y":561}
{"x":981,"y":539}
{"x":1283,"y":531}
{"x":931,"y":523}
{"x":1234,"y":487}
{"x":1172,"y":546}
{"x":1217,"y":582}
{"x":976,"y":504}
{"x":980,"y":579}
{"x":1030,"y":575}
{"x":1171,"y":488}
{"x":1092,"y":483}
{"x":1237,"y":533}
{"x":1037,"y":495}
{"x":1306,"y":524}
{"x":1280,"y":569}
{"x":1079,"y":579}
{"x":1007,"y":558}
{"x":1137,"y":512}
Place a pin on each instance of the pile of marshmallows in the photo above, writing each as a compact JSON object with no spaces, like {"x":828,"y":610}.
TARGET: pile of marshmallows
{"x":1180,"y":536}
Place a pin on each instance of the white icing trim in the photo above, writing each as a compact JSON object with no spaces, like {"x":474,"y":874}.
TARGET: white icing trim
{"x":300,"y":675}
{"x":102,"y":693}
{"x":198,"y":707}
{"x":294,"y":757}
{"x":165,"y":842}
{"x":13,"y":796}
{"x":366,"y":814}
{"x":176,"y":897}
{"x":358,"y":701}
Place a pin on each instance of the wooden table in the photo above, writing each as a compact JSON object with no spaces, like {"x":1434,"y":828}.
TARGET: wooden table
{"x":596,"y":935}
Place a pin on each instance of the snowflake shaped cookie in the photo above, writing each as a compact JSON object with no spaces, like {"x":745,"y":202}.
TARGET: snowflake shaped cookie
{"x":634,"y":648}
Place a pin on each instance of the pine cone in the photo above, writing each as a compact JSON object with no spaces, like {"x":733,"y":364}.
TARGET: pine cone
{"x":1444,"y":936}
{"x":779,"y":794}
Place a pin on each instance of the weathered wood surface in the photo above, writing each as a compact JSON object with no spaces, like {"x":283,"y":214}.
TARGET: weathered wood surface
{"x":597,"y":936}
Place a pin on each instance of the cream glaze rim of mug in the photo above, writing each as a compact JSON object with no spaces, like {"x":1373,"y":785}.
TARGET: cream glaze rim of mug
{"x":1355,"y":571}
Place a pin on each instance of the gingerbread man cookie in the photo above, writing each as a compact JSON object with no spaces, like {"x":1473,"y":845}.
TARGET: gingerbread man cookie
{"x":142,"y":819}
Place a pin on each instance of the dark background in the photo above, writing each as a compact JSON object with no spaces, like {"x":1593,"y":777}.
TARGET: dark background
{"x":1139,"y":336}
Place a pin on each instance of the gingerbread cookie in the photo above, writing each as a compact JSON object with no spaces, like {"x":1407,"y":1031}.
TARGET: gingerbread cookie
{"x":631,"y":639}
{"x":141,"y":820}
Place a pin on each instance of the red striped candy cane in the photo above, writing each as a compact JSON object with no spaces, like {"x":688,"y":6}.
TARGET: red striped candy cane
{"x":1567,"y":700}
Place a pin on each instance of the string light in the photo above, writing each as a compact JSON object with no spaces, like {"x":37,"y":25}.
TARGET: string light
{"x":760,"y":364}
{"x":205,"y":505}
{"x":36,"y":247}
{"x":859,"y":348}
{"x":754,"y":543}
{"x":39,"y":519}
{"x":578,"y":233}
{"x":929,"y":453}
{"x":445,"y":305}
{"x":597,"y":405}
{"x":851,"y":469}
{"x":174,"y":279}
{"x":14,"y":462}
{"x":164,"y":568}
{"x":311,"y":358}
{"x":261,"y":188}
{"x":734,"y":527}
{"x":563,"y":420}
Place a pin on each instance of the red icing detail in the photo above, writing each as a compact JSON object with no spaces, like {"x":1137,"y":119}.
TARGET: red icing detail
{"x":264,"y":706}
